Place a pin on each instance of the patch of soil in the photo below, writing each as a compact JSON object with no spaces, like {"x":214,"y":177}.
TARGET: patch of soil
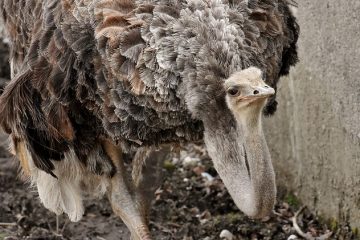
{"x":192,"y":203}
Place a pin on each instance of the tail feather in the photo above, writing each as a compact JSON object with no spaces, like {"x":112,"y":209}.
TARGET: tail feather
{"x":16,"y":103}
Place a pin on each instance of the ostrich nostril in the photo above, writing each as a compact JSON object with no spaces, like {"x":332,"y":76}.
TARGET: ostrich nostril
{"x":266,"y":86}
{"x":256,"y":92}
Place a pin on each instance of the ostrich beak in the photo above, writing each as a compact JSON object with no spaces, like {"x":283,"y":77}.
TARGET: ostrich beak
{"x":263,"y":91}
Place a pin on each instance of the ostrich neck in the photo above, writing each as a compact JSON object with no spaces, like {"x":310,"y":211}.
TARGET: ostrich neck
{"x":254,"y":139}
{"x":242,"y":159}
{"x":255,"y":147}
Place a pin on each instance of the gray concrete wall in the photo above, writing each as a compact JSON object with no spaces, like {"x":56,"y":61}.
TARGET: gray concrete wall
{"x":315,"y":135}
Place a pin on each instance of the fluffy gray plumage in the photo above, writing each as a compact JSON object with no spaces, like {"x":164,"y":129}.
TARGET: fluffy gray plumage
{"x":138,"y":73}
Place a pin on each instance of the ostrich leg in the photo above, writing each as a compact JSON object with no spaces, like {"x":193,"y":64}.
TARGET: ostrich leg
{"x":147,"y":175}
{"x":125,"y":201}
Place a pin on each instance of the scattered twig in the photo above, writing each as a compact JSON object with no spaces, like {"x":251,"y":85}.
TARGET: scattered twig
{"x":296,"y":226}
{"x":324,"y":236}
{"x":64,"y":226}
{"x":3,"y":224}
{"x":281,"y":217}
{"x":100,"y":238}
{"x":57,"y":232}
{"x":50,"y":227}
{"x":171,"y":224}
{"x":306,"y":236}
{"x":57,"y":224}
{"x":277,"y":214}
{"x":161,"y":227}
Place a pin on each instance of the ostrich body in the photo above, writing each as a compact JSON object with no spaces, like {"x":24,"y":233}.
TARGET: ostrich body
{"x":92,"y":79}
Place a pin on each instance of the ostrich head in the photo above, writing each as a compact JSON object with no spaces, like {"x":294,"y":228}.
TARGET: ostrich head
{"x":246,"y":93}
{"x":238,"y":147}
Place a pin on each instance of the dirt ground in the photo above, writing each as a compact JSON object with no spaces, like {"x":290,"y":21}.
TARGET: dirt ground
{"x":192,"y":203}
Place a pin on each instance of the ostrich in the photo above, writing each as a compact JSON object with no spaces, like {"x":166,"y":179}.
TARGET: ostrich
{"x":93,"y":80}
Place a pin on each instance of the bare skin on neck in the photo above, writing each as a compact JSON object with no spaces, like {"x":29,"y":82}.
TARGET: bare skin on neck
{"x":242,"y":157}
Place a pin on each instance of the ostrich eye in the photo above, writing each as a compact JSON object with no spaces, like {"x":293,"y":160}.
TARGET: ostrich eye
{"x":233,"y":91}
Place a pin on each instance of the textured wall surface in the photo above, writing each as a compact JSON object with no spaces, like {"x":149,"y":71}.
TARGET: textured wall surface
{"x":315,"y":136}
